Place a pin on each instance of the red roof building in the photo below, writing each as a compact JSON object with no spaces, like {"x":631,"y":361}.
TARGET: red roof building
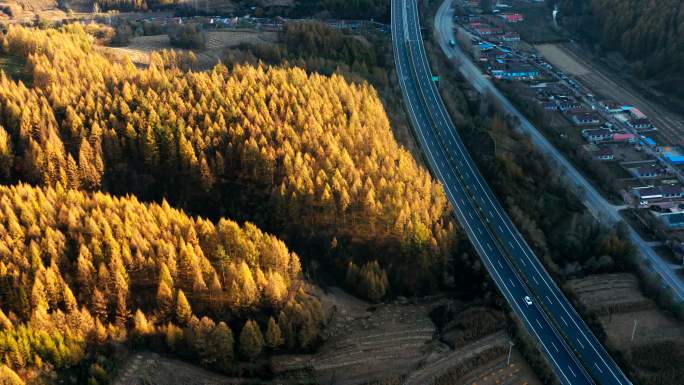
{"x":512,"y":17}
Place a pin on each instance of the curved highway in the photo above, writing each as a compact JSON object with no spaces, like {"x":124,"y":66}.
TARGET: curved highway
{"x":573,"y":351}
{"x":511,"y":285}
{"x":597,"y":205}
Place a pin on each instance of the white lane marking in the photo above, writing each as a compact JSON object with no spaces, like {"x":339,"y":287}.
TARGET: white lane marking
{"x":500,"y":263}
{"x":597,"y":367}
{"x":523,"y":262}
{"x":539,"y":323}
{"x":489,"y":247}
{"x":510,"y":244}
{"x":470,"y":214}
{"x":479,"y":230}
{"x":564,"y":321}
{"x":414,"y":115}
{"x":554,"y":346}
{"x":511,"y":280}
{"x":580,"y":342}
{"x":500,"y":229}
{"x":535,"y":280}
{"x":572,"y":371}
{"x":470,"y":166}
{"x":563,"y":304}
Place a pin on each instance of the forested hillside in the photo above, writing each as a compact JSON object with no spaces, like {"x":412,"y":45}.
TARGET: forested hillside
{"x":344,"y":9}
{"x":135,"y":5}
{"x":79,"y":271}
{"x":317,"y":47}
{"x":378,"y":10}
{"x":650,"y":32}
{"x":309,"y":157}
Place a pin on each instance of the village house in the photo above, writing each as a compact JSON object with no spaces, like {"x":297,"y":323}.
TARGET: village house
{"x":665,"y":196}
{"x":612,"y":107}
{"x":569,"y":104}
{"x":594,"y":135}
{"x":512,"y":17}
{"x":640,"y":124}
{"x":645,"y":172}
{"x":604,"y":154}
{"x":513,"y":70}
{"x":624,"y":137}
{"x":583,"y":118}
{"x":510,"y":37}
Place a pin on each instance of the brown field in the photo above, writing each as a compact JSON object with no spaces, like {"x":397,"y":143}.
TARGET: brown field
{"x":562,"y":60}
{"x":212,"y":5}
{"x":518,"y":372}
{"x":27,"y":9}
{"x":153,"y":369}
{"x":388,"y":343}
{"x":363,"y":345}
{"x":395,"y":343}
{"x":610,"y":293}
{"x":141,"y":47}
{"x":619,"y":303}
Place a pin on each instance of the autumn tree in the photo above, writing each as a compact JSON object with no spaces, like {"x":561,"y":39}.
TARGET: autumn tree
{"x":317,"y":153}
{"x":222,"y":337}
{"x":251,"y":340}
{"x":125,"y":259}
{"x":183,"y":310}
{"x":274,"y":337}
{"x":9,"y":377}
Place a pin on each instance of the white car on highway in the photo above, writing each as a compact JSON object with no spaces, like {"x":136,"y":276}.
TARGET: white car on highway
{"x":528,"y":300}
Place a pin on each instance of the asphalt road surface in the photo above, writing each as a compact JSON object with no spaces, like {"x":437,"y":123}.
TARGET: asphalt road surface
{"x":573,"y":351}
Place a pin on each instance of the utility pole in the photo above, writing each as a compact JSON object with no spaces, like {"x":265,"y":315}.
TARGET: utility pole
{"x":634,"y":330}
{"x":510,"y":349}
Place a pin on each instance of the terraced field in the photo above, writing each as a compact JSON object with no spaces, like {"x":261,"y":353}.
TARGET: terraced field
{"x":648,"y":337}
{"x":399,"y":343}
{"x":389,"y":343}
{"x":610,"y":293}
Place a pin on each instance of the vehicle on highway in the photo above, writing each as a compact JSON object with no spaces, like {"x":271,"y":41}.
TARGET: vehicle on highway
{"x":528,"y":300}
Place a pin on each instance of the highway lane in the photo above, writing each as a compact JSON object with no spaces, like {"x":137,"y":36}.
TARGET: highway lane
{"x":577,"y":334}
{"x":596,"y":204}
{"x":506,"y":278}
{"x":564,"y":316}
{"x":597,"y":360}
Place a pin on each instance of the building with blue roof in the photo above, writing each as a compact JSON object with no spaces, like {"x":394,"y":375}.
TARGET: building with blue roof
{"x":673,"y":221}
{"x":650,"y":141}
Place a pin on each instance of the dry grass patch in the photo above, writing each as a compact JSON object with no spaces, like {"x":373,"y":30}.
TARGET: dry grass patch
{"x":610,"y":293}
{"x":499,"y":372}
{"x":398,"y":343}
{"x":141,"y":47}
{"x":153,"y":369}
{"x":26,"y":10}
{"x":556,"y":56}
